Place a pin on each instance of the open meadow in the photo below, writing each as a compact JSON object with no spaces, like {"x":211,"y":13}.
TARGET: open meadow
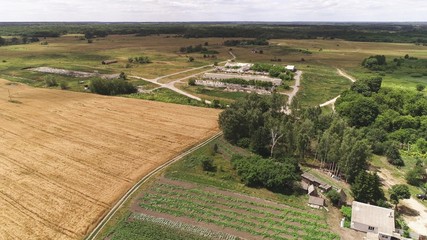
{"x":68,"y":157}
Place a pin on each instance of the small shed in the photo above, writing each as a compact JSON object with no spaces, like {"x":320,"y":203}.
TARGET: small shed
{"x":310,"y":179}
{"x":316,"y":202}
{"x":325,"y":187}
{"x":311,"y":191}
{"x":106,"y":62}
{"x":291,"y":68}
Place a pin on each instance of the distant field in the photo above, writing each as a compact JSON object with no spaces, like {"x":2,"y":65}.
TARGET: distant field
{"x":67,"y":157}
{"x":70,"y":52}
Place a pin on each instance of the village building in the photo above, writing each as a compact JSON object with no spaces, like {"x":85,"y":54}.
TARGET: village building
{"x":291,"y":68}
{"x":373,"y":219}
{"x":316,"y":202}
{"x":312,"y":191}
{"x":106,"y":62}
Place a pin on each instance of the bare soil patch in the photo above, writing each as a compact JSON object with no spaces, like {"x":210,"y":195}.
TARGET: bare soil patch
{"x":67,"y":157}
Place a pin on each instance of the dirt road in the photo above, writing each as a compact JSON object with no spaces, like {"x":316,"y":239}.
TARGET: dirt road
{"x":67,"y":157}
{"x":171,"y":85}
{"x":294,"y":92}
{"x":416,"y":223}
{"x":332,"y":101}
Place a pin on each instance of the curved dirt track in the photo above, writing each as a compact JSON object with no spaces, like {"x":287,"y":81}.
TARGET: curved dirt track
{"x":332,"y":101}
{"x":67,"y":157}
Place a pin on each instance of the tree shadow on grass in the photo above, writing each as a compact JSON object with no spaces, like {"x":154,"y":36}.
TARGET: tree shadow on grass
{"x":408,"y":211}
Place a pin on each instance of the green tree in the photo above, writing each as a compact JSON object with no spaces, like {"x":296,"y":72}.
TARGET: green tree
{"x":207,"y":164}
{"x":393,"y":155}
{"x":367,"y":188}
{"x":420,"y":87}
{"x":192,"y":82}
{"x":334,"y":197}
{"x":399,"y":192}
{"x":63,"y":85}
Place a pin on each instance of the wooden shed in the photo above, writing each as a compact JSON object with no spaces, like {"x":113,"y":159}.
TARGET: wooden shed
{"x":106,"y":62}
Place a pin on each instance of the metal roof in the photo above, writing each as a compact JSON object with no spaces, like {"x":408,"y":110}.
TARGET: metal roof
{"x":373,"y":216}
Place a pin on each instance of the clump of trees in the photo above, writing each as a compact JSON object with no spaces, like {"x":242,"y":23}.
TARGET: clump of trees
{"x":111,"y":87}
{"x":276,"y":71}
{"x":389,"y":119}
{"x":255,"y":171}
{"x":367,"y":189}
{"x":377,"y":62}
{"x":197,"y":49}
{"x":140,"y":60}
{"x":259,"y":42}
{"x":248,"y":82}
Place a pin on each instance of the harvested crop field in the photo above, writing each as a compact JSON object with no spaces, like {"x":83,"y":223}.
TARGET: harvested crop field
{"x":67,"y":157}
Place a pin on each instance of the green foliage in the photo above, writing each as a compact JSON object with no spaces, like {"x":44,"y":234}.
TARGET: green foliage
{"x":50,"y":81}
{"x":376,"y":62}
{"x":207,"y":163}
{"x":393,"y":155}
{"x":63,"y":85}
{"x":420,"y":87}
{"x":334,"y":197}
{"x":399,"y":192}
{"x":346,"y":212}
{"x":140,"y":60}
{"x":261,"y":42}
{"x":258,"y":172}
{"x":367,"y":188}
{"x":416,"y":175}
{"x":146,"y":230}
{"x":192,"y":82}
{"x":111,"y":87}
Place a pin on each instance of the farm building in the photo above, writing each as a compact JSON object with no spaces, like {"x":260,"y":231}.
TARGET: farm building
{"x":316,"y":202}
{"x":311,"y":191}
{"x":373,"y":219}
{"x":221,"y":76}
{"x":106,"y":62}
{"x":291,"y":68}
{"x":310,"y":179}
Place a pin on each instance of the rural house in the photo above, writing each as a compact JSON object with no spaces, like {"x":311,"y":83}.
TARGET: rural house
{"x":291,"y":68}
{"x":373,"y":219}
{"x":311,"y":191}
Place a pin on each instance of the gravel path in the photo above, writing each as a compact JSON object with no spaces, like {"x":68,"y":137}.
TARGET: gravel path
{"x":332,"y":101}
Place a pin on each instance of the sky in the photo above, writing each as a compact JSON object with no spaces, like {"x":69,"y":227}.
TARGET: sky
{"x":213,"y":10}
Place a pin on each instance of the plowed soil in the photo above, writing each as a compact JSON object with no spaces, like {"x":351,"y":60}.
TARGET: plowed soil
{"x":66,"y":157}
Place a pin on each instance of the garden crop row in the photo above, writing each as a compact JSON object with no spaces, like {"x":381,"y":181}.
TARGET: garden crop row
{"x":287,"y":214}
{"x":183,"y":226}
{"x":191,"y":207}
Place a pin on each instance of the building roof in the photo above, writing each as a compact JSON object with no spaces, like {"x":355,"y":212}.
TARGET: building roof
{"x":316,"y":201}
{"x":304,"y":185}
{"x":311,"y":190}
{"x":311,"y":178}
{"x":373,"y":216}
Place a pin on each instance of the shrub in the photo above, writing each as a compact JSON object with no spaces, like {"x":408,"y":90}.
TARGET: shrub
{"x":51,"y":82}
{"x":420,"y":87}
{"x":63,"y":85}
{"x":111,"y":87}
{"x":192,"y":82}
{"x":334,"y":196}
{"x":208,"y":164}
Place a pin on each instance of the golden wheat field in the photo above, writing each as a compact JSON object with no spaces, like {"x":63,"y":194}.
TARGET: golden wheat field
{"x":66,"y":158}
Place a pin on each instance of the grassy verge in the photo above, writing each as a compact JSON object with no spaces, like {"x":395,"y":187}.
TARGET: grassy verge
{"x":320,"y":84}
{"x":167,"y":96}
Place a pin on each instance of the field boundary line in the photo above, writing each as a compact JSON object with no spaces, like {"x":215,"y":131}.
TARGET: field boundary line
{"x":94,"y":233}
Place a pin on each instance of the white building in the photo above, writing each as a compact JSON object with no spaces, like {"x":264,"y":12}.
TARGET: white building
{"x":372,"y":219}
{"x":291,"y":68}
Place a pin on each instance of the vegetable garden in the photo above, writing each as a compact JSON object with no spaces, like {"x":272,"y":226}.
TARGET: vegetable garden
{"x":235,"y":212}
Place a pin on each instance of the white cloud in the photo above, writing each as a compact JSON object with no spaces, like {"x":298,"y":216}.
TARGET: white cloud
{"x":213,"y":10}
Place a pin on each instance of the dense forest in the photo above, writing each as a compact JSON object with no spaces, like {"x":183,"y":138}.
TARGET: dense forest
{"x":413,"y":33}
